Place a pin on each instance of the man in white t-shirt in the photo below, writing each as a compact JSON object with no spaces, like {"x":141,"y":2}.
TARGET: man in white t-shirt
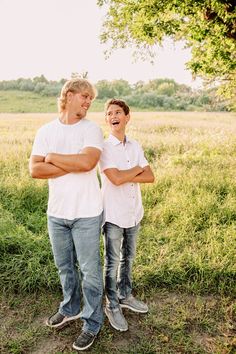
{"x":66,"y":152}
{"x":123,"y":166}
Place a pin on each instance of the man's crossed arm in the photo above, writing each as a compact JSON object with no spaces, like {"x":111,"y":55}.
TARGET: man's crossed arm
{"x":56,"y":165}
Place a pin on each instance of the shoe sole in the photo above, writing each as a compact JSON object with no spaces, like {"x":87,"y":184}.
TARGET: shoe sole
{"x":117,"y":328}
{"x":64,"y":323}
{"x":84,"y":348}
{"x":132,"y":308}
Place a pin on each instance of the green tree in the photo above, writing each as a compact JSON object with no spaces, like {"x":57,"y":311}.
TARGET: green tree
{"x":121,"y":87}
{"x":82,"y":75}
{"x":168,"y":89}
{"x":40,"y":79}
{"x":208,"y":27}
{"x":115,"y":88}
{"x":105,"y":90}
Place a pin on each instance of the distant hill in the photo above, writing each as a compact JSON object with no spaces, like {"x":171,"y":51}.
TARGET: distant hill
{"x":30,"y":102}
{"x":40,"y":95}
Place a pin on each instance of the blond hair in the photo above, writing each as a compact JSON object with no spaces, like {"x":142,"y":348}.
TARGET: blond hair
{"x":75,"y":86}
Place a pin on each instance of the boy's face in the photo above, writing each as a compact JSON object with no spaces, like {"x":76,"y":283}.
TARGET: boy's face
{"x":116,"y":118}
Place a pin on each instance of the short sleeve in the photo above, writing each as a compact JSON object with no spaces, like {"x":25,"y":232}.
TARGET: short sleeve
{"x":106,"y":159}
{"x":40,"y":146}
{"x":93,"y":137}
{"x":142,"y":159}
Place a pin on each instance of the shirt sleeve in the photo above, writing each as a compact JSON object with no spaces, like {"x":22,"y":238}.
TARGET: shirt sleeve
{"x":106,"y":159}
{"x":142,"y":159}
{"x":93,"y":137}
{"x":40,"y":146}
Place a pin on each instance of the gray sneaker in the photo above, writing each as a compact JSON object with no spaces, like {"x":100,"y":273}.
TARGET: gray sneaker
{"x":133,"y":304}
{"x":84,"y":341}
{"x":116,"y":319}
{"x":59,"y":321}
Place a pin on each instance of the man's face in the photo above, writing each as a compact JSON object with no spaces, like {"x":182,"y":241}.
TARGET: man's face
{"x":116,"y":118}
{"x":79,"y":103}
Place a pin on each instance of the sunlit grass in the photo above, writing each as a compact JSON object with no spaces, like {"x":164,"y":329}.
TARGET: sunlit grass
{"x":188,"y":234}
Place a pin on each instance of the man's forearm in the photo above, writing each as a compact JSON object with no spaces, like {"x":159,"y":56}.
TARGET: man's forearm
{"x":43,"y":170}
{"x":72,"y":163}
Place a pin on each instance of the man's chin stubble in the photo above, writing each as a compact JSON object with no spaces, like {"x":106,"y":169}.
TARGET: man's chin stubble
{"x":80,"y":116}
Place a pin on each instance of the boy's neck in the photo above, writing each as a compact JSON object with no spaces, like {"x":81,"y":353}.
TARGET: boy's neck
{"x":119,"y":136}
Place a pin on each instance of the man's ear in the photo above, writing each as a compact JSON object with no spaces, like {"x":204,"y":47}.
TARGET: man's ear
{"x":69,"y":96}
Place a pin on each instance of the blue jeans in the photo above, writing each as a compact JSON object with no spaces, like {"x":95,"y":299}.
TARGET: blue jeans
{"x":77,"y":243}
{"x":120,"y":249}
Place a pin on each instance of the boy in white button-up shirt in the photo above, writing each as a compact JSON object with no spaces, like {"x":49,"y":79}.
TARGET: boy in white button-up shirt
{"x":123,"y":166}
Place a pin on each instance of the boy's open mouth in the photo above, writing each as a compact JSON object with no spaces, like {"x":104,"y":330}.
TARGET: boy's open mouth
{"x":115,"y":122}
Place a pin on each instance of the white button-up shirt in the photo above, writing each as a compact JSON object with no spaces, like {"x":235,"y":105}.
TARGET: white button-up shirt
{"x":122,"y":204}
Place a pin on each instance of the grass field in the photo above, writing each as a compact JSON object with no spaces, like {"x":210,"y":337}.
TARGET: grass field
{"x":27,"y":102}
{"x":186,"y":259}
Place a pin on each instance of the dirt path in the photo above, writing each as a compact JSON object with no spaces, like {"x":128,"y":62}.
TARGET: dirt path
{"x":176,"y":323}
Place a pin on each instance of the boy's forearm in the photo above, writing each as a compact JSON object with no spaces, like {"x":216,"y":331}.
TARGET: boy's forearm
{"x":119,"y":177}
{"x":146,"y":176}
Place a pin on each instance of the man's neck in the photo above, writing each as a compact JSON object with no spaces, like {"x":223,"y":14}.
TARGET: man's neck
{"x":67,"y":118}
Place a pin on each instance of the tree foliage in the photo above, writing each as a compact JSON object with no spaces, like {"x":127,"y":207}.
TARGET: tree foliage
{"x":157,"y":94}
{"x":208,"y":27}
{"x":115,"y":88}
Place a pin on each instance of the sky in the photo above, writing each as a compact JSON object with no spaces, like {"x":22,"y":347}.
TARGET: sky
{"x":59,"y":37}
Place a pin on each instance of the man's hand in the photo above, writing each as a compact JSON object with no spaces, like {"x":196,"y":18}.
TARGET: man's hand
{"x":39,"y":168}
{"x":48,"y":158}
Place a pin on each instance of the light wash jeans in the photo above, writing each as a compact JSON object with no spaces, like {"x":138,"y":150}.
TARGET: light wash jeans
{"x":77,"y":243}
{"x":120,"y":249}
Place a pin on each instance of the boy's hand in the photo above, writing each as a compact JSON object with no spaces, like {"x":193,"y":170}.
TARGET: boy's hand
{"x":139,"y":169}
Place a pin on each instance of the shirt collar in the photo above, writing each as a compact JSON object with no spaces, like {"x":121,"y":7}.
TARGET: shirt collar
{"x":116,"y":141}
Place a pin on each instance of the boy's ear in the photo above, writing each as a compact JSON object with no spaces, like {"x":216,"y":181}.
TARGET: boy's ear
{"x":127,"y":118}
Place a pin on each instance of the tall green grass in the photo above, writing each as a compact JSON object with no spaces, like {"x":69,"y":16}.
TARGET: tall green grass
{"x":188,"y":235}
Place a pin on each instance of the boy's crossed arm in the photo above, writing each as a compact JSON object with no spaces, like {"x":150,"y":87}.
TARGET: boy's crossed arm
{"x":146,"y":176}
{"x":135,"y":174}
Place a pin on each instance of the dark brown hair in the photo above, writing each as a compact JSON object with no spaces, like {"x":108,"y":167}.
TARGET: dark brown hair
{"x":120,"y":103}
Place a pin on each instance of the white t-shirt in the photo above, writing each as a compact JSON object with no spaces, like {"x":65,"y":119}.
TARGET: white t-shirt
{"x":74,"y":195}
{"x":122,"y":204}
